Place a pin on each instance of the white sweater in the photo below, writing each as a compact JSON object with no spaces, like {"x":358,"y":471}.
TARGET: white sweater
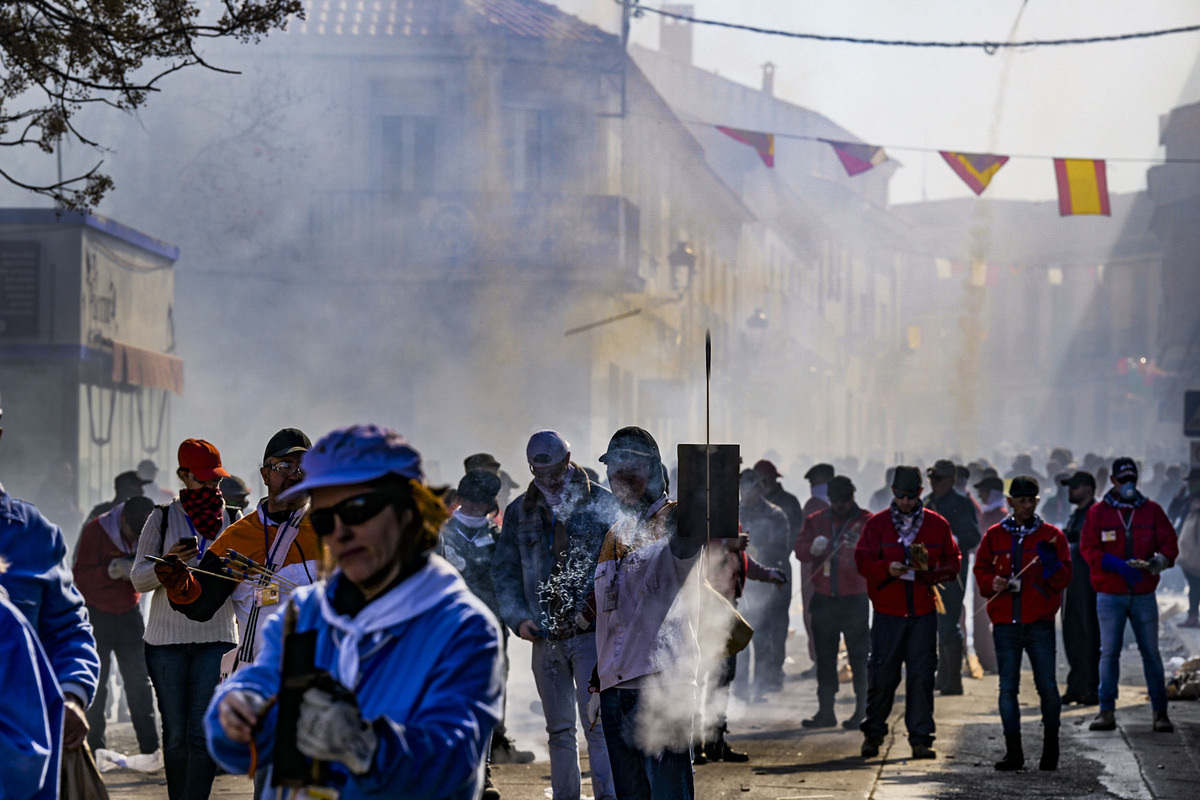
{"x":166,"y":625}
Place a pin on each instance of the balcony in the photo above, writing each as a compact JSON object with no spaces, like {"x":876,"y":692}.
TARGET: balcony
{"x":462,"y":234}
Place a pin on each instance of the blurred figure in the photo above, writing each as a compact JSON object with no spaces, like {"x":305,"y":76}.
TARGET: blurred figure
{"x":39,"y":583}
{"x":488,"y":462}
{"x":1022,"y":464}
{"x":147,"y":470}
{"x":991,"y":510}
{"x":125,"y":486}
{"x":236,"y":494}
{"x":58,"y":499}
{"x":1128,"y":541}
{"x":648,"y":652}
{"x":904,"y":553}
{"x":818,"y":476}
{"x":542,"y":573}
{"x":1025,"y":603}
{"x":841,"y":608}
{"x":883,"y":495}
{"x":959,"y":511}
{"x":1080,"y":625}
{"x":103,"y":563}
{"x":770,"y":543}
{"x":1189,"y":549}
{"x":1057,"y":509}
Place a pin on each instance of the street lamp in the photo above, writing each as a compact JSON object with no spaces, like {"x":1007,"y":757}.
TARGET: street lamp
{"x":683,"y":264}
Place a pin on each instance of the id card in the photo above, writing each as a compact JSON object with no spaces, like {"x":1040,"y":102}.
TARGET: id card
{"x":266,"y":596}
{"x":610,"y":599}
{"x":1108,"y":536}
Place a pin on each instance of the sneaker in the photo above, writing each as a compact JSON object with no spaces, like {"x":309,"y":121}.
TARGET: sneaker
{"x":923,"y":751}
{"x":1104,"y":721}
{"x":870,"y":746}
{"x":504,"y":751}
{"x":1162,"y":723}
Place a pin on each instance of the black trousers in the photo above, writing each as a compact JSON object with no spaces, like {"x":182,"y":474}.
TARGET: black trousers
{"x":121,"y":634}
{"x":833,"y":618}
{"x":1081,"y":630}
{"x":766,"y":608}
{"x":911,"y":643}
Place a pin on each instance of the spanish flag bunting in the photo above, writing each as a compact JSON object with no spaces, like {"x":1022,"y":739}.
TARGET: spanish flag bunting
{"x":857,"y":157}
{"x":976,"y":169}
{"x":1082,"y":187}
{"x":763,"y":143}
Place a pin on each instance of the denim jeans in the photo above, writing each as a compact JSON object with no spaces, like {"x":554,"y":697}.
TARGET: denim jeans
{"x":185,"y":677}
{"x":561,"y":670}
{"x":911,"y":642}
{"x":1036,"y":639}
{"x":121,"y":635}
{"x":637,"y":774}
{"x":1142,"y":612}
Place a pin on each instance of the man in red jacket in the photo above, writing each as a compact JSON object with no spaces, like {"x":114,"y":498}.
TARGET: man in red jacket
{"x":840,"y":606}
{"x":103,"y":560}
{"x":1127,"y":541}
{"x":1023,"y":565}
{"x":903,"y":553}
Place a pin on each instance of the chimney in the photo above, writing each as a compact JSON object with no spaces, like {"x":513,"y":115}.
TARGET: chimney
{"x":768,"y":85}
{"x":675,"y":35}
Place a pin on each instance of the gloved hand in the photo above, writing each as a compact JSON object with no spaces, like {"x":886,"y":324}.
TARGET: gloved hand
{"x":1111,"y":563}
{"x":819,"y":546}
{"x":1157,"y":564}
{"x":331,"y":728}
{"x":1048,"y":555}
{"x":174,"y":576}
{"x":593,"y":709}
{"x":778,"y":577}
{"x":118,"y":568}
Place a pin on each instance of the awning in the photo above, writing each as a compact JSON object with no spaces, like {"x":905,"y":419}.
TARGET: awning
{"x":142,"y":367}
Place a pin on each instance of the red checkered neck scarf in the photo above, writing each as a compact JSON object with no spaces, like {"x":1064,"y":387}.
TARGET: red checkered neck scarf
{"x":205,"y":507}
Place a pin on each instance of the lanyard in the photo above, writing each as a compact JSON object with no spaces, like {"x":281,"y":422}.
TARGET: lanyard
{"x":201,"y":542}
{"x":1128,"y":523}
{"x":293,"y":521}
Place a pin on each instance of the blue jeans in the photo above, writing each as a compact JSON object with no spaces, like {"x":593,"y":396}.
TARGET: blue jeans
{"x":1142,"y":612}
{"x":561,"y":670}
{"x":185,"y":677}
{"x":637,"y":774}
{"x":1036,"y":639}
{"x":911,"y":642}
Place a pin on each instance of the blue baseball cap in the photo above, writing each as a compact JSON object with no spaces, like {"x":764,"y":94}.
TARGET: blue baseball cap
{"x":357,"y":454}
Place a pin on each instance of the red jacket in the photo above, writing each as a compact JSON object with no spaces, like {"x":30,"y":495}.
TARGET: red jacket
{"x":1104,"y":532}
{"x":840,"y":562}
{"x":92,"y":556}
{"x":1039,"y":597}
{"x":880,"y":545}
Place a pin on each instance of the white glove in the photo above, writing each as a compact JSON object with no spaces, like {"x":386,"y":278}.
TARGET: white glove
{"x":582,"y":622}
{"x":593,"y":708}
{"x":1157,"y":564}
{"x":1014,"y":585}
{"x":332,"y":729}
{"x":819,"y":546}
{"x":118,"y":568}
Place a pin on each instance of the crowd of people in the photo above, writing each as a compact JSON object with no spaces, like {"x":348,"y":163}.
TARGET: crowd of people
{"x":350,"y":631}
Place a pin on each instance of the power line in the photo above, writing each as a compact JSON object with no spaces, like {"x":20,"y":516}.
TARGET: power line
{"x":989,"y":47}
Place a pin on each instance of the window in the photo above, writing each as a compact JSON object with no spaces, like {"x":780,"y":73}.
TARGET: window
{"x":409,"y":153}
{"x":530,"y":149}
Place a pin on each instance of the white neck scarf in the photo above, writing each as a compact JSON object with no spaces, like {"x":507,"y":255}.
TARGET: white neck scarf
{"x":426,"y":588}
{"x":470,"y":522}
{"x":556,"y":500}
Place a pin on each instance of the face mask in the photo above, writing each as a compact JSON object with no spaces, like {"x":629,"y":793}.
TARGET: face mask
{"x":1127,"y":491}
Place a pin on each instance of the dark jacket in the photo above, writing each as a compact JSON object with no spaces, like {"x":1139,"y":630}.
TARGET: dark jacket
{"x":790,"y":505}
{"x":769,"y":531}
{"x":962,"y":515}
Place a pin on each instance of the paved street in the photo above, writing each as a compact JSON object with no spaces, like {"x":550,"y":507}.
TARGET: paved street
{"x":791,"y":762}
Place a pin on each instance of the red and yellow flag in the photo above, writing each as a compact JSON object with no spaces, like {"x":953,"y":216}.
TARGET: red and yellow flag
{"x":764,"y":143}
{"x":1082,"y":187}
{"x":976,"y":169}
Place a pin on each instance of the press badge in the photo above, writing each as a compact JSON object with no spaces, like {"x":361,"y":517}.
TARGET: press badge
{"x":610,"y":598}
{"x":266,"y":596}
{"x":1108,"y":536}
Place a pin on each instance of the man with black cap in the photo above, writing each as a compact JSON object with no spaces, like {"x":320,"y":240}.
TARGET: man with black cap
{"x":1128,"y":541}
{"x":959,"y":511}
{"x":648,"y":652}
{"x":840,"y":605}
{"x":488,"y":463}
{"x":1024,"y":565}
{"x":542,"y":573}
{"x":1080,"y":625}
{"x":904,"y":553}
{"x":126,"y":485}
{"x":818,"y":477}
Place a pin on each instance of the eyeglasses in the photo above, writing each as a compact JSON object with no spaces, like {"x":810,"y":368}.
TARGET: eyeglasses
{"x":287,"y":468}
{"x":906,"y":495}
{"x":351,"y":511}
{"x":551,"y":470}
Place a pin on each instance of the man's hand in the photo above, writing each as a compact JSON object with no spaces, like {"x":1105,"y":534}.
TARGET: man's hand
{"x":177,"y":580}
{"x":593,"y":706}
{"x":999,"y":584}
{"x":331,"y":728}
{"x":529,"y":631}
{"x":819,"y":546}
{"x":897,"y":569}
{"x":118,"y":568}
{"x":1157,"y":564}
{"x":776,"y":576}
{"x":238,"y":714}
{"x":75,"y":725}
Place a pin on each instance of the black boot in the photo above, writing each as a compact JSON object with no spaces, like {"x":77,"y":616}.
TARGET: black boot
{"x":824,"y":718}
{"x":1014,"y":757}
{"x":1049,"y":761}
{"x":720,"y":750}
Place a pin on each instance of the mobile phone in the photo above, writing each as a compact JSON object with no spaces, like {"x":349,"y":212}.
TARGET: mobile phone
{"x":188,"y":541}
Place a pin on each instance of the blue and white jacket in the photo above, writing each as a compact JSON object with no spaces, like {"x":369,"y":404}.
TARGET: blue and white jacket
{"x":40,"y":585}
{"x":430,"y":676}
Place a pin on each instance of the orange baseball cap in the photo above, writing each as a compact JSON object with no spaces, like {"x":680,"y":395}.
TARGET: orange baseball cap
{"x":202,"y":459}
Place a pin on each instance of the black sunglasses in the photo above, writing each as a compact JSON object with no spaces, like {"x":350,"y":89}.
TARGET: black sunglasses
{"x":906,"y":495}
{"x":351,"y":511}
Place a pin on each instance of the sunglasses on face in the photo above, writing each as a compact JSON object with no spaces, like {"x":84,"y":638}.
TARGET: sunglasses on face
{"x":907,"y":495}
{"x":286,"y":468}
{"x":351,"y":511}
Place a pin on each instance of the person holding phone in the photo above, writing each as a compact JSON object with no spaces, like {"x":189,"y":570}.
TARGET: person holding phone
{"x":183,"y":655}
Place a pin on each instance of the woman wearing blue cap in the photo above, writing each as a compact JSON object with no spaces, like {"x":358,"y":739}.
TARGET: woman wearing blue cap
{"x":413,"y":654}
